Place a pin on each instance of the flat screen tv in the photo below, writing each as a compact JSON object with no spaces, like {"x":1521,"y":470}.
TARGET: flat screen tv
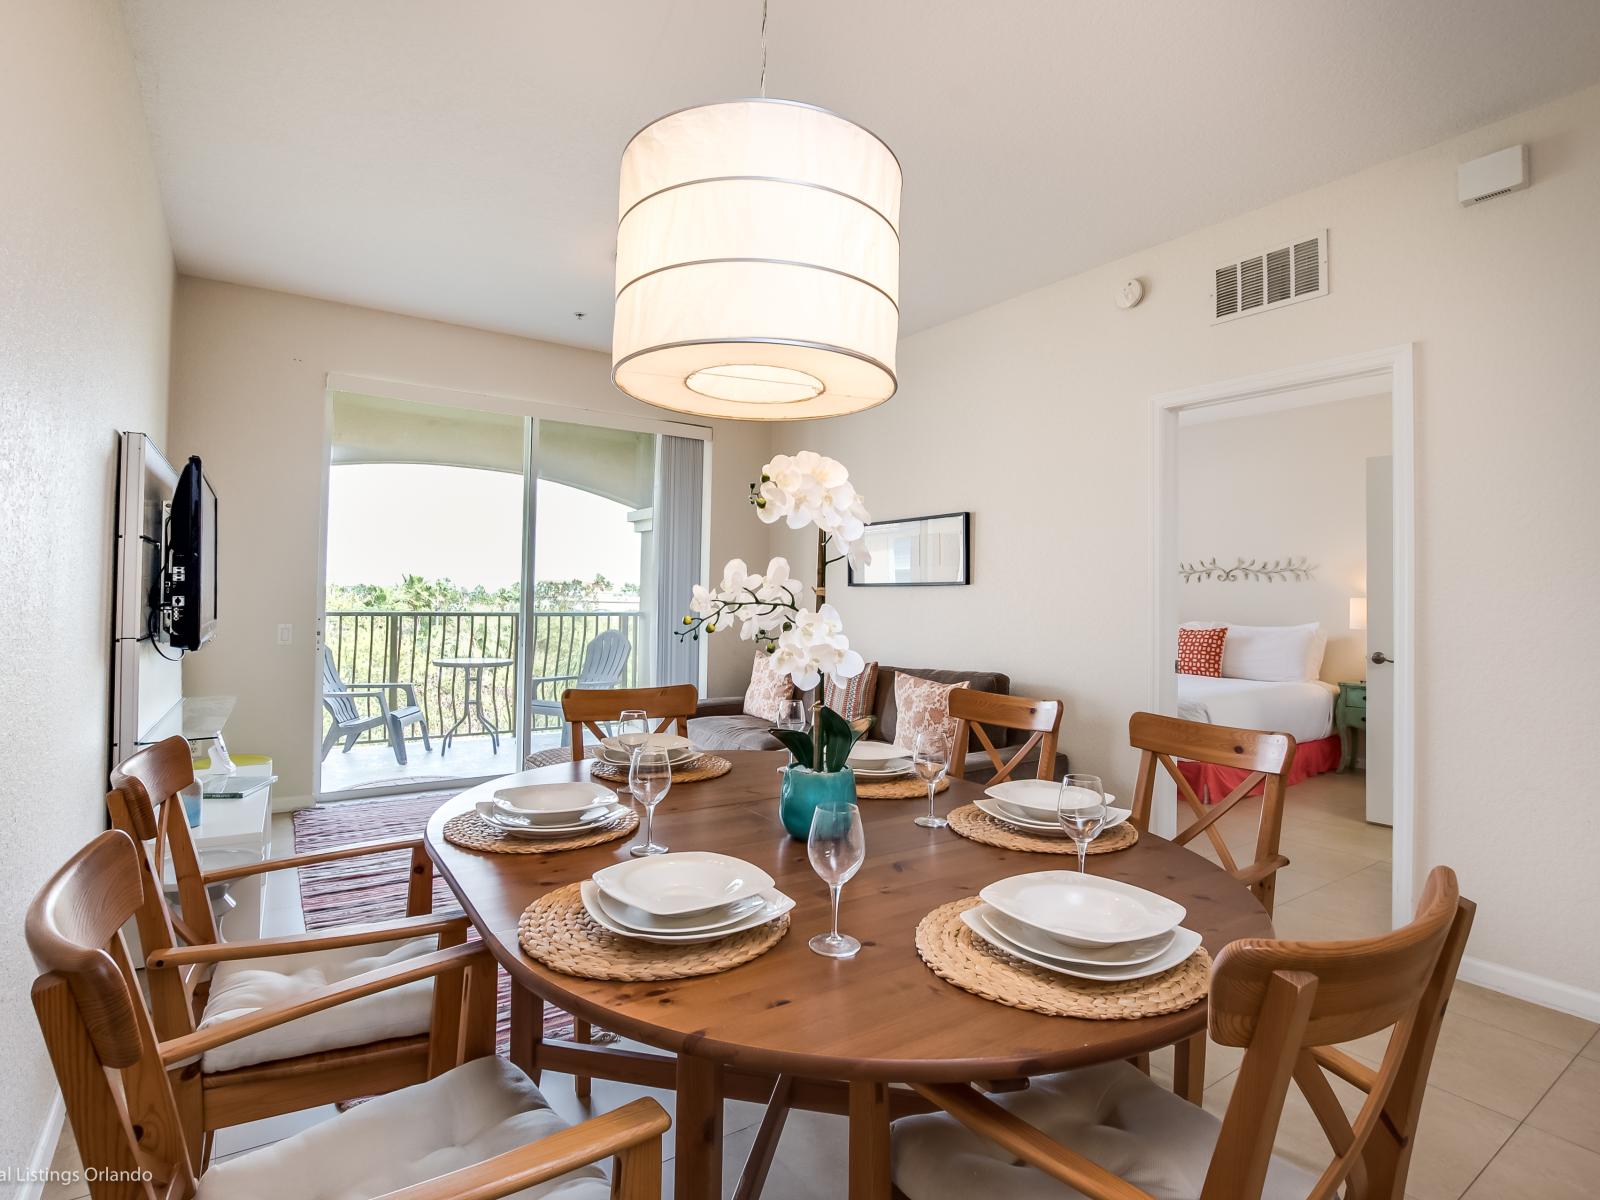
{"x":191,"y":567}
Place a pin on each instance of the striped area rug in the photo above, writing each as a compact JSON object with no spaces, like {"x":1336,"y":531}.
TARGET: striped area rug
{"x":373,"y":887}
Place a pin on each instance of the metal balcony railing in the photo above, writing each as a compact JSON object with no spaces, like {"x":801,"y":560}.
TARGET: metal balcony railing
{"x":376,"y":645}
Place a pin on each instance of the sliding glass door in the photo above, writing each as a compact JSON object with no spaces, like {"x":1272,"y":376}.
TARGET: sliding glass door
{"x":478,"y":564}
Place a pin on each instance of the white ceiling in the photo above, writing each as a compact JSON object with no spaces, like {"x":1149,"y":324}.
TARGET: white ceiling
{"x":457,"y":159}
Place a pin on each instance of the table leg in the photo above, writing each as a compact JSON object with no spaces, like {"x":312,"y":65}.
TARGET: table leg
{"x":527,"y":1029}
{"x":697,"y":1131}
{"x":869,"y":1141}
{"x":483,"y":717}
{"x":1189,"y":1069}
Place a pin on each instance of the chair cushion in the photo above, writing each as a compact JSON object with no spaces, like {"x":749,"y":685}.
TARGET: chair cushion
{"x":1113,"y":1114}
{"x":742,"y":732}
{"x":241,"y":987}
{"x":466,"y":1115}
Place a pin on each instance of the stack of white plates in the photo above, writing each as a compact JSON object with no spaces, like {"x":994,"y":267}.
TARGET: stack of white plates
{"x":1082,"y":925}
{"x":879,"y":760}
{"x":677,"y":898}
{"x":679,"y":749}
{"x":1030,"y":805}
{"x":550,"y":810}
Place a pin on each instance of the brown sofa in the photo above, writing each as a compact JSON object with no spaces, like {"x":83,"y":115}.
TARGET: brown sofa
{"x":722,"y":724}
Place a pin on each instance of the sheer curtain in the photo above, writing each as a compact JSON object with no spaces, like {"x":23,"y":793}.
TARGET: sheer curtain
{"x":680,"y":483}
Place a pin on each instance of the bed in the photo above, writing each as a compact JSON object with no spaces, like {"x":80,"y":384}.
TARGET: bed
{"x":1302,"y":709}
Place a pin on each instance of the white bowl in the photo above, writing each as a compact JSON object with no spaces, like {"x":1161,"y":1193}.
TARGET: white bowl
{"x":876,"y":754}
{"x":601,"y":910}
{"x":1184,"y":943}
{"x":670,"y":885}
{"x":678,"y":748}
{"x":1038,"y":798}
{"x":542,"y":802}
{"x":1084,"y":908}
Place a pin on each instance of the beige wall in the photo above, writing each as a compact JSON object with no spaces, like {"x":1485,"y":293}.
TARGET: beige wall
{"x":85,"y":300}
{"x":249,"y":381}
{"x":1272,"y":485}
{"x":1035,"y":414}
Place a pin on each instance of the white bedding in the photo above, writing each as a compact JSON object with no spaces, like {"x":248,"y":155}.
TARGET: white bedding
{"x":1304,"y":710}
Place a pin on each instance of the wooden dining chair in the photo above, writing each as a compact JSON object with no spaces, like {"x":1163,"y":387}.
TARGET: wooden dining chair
{"x":1266,"y":756}
{"x":196,"y":978}
{"x":1040,"y":719}
{"x":584,"y":708}
{"x":1112,"y":1134}
{"x":116,"y":1070}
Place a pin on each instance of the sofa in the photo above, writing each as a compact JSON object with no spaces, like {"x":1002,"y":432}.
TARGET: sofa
{"x":721,"y":723}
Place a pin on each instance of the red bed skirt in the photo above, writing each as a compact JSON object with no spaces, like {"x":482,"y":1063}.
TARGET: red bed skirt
{"x":1310,"y":758}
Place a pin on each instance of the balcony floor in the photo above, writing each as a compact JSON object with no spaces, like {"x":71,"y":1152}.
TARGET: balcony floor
{"x":372,"y":764}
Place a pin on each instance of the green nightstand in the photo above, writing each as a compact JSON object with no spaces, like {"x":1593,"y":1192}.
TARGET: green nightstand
{"x":1349,"y":715}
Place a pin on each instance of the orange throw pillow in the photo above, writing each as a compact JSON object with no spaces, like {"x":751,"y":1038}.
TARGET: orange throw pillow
{"x":1200,"y":651}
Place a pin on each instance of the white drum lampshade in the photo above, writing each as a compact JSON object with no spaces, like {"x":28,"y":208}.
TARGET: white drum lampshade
{"x":758,"y":263}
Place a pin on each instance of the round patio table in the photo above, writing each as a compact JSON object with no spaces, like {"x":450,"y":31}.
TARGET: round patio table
{"x":472,"y":670}
{"x":824,"y":1034}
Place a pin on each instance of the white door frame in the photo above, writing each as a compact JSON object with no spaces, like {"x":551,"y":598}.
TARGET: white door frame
{"x":1391,"y":367}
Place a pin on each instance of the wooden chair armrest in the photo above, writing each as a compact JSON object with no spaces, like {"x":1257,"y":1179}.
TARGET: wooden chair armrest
{"x":538,"y":1162}
{"x":1257,"y":871}
{"x":1345,"y":1067}
{"x":300,"y":943}
{"x":424,"y":966}
{"x":353,"y":850}
{"x":1014,"y":1135}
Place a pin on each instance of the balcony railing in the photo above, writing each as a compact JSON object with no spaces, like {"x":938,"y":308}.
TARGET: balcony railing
{"x":375,"y":646}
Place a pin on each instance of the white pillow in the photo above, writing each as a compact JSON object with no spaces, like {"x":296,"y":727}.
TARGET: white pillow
{"x":1271,"y":653}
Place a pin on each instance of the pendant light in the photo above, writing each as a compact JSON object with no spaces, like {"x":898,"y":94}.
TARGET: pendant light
{"x":758,"y":262}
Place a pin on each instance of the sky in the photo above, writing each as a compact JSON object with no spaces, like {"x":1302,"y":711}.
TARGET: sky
{"x":386,"y":520}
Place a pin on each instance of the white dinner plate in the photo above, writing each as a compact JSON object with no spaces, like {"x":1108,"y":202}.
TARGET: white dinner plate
{"x":1123,"y":954}
{"x":892,"y":771}
{"x":676,"y":745}
{"x":876,"y":754}
{"x":1184,"y":943}
{"x":1084,"y":908}
{"x":531,"y":829}
{"x":673,"y":884}
{"x":1036,"y":798}
{"x":552,"y":802}
{"x":716,"y":921}
{"x":1050,"y":828}
{"x":594,"y":901}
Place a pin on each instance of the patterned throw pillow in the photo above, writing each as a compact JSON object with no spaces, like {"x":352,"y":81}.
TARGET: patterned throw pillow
{"x":922,"y":704}
{"x":768,"y":689}
{"x":853,"y":700}
{"x":1200,"y":651}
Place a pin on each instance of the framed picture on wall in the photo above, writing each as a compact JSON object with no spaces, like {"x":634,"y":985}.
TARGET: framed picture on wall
{"x":918,"y":552}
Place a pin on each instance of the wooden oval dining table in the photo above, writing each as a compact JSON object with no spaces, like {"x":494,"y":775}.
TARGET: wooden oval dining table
{"x":811,"y":1032}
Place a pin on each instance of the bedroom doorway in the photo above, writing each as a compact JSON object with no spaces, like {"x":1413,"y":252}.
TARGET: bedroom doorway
{"x":1283,"y":511}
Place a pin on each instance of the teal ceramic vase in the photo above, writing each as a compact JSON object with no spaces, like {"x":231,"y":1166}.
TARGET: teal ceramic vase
{"x":804,"y":791}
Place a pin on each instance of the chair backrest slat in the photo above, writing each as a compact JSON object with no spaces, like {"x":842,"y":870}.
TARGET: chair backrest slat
{"x":974,"y":710}
{"x":1265,"y":757}
{"x":333,"y":689}
{"x":604,"y":660}
{"x":585,"y":708}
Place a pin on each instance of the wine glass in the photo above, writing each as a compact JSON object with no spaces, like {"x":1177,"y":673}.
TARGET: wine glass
{"x":836,"y":847}
{"x":633,"y":730}
{"x":792,"y":715}
{"x":649,"y":779}
{"x":1081,"y":809}
{"x":930,"y":756}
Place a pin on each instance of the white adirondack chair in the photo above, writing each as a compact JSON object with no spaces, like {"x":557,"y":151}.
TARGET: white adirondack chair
{"x":350,"y":722}
{"x":604,"y":660}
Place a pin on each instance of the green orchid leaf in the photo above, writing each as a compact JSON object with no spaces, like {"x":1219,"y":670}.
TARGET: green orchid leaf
{"x":838,"y":738}
{"x":797,"y":742}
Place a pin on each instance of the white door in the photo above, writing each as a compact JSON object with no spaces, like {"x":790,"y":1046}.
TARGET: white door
{"x":1380,"y":640}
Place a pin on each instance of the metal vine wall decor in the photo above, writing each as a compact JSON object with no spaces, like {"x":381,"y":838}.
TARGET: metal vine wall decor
{"x":1289,"y":570}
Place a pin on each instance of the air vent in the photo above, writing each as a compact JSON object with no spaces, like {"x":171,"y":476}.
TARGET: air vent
{"x":1271,"y":279}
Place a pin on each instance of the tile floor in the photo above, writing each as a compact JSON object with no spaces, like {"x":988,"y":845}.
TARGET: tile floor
{"x":1512,"y":1110}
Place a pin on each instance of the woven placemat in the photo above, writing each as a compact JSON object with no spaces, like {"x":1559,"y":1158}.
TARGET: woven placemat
{"x":556,"y":931}
{"x":707,"y":766}
{"x":897,"y":789}
{"x":955,"y":954}
{"x":978,"y":826}
{"x":472,"y":832}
